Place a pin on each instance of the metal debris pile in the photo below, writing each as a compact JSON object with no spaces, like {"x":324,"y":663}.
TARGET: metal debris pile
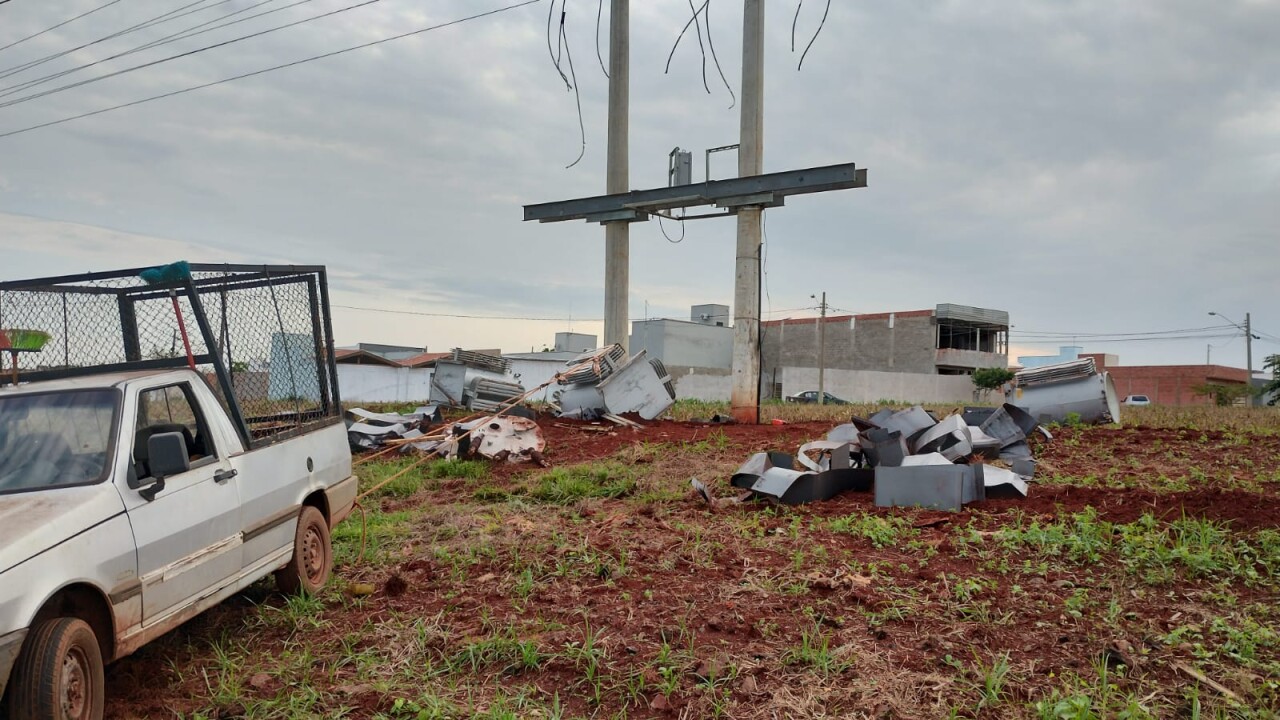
{"x":511,"y":436}
{"x":475,"y":381}
{"x":603,"y":384}
{"x":909,"y":457}
{"x":368,"y":430}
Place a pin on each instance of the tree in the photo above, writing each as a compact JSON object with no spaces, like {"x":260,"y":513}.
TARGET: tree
{"x":991,"y":378}
{"x":1223,"y":394}
{"x":1272,"y":388}
{"x":988,"y":379}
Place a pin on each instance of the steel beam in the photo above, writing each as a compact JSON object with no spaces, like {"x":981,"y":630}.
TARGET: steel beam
{"x":781,"y":184}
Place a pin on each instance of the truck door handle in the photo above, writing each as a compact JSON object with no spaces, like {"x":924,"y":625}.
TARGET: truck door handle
{"x":224,"y":475}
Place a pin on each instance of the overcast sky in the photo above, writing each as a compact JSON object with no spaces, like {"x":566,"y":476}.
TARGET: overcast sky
{"x":1090,"y":166}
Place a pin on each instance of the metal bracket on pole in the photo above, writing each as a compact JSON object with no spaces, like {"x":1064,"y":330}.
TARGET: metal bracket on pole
{"x":763,"y":200}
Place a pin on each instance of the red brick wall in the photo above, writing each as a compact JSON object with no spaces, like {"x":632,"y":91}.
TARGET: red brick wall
{"x":1172,"y":384}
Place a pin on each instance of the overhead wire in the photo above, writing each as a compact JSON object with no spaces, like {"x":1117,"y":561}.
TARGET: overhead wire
{"x":702,"y":49}
{"x":600,"y":57}
{"x":163,"y":18}
{"x":664,"y":230}
{"x":464,"y":316}
{"x":195,"y":51}
{"x":1064,"y":335}
{"x":577,"y":95}
{"x":551,"y":12}
{"x":55,"y":27}
{"x":676,"y":44}
{"x":795,"y":19}
{"x":272,"y":68}
{"x":171,"y":38}
{"x":816,"y":33}
{"x":706,"y":17}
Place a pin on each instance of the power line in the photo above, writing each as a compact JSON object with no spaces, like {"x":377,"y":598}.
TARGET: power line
{"x":1128,"y":340}
{"x":816,"y":33}
{"x":463,"y":316}
{"x":171,"y":38}
{"x":55,"y":27}
{"x":14,"y":70}
{"x":269,"y":69}
{"x":69,"y":86}
{"x":1068,"y":335}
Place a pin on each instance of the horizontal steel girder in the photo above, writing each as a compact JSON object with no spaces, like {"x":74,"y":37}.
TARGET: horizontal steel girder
{"x":777,"y":185}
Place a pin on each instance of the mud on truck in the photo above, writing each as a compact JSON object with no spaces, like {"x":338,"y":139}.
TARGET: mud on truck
{"x":168,"y":436}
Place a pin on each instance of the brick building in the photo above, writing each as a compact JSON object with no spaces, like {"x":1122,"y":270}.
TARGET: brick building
{"x":1167,"y":384}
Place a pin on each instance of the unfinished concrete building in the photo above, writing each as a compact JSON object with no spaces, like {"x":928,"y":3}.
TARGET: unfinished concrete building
{"x":947,"y":340}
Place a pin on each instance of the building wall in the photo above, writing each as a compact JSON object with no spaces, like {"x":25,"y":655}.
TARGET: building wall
{"x":709,"y":384}
{"x":896,"y":342}
{"x":864,"y":386}
{"x":679,"y":343}
{"x":869,"y":386}
{"x":796,"y":342}
{"x":379,"y":383}
{"x":1172,"y":384}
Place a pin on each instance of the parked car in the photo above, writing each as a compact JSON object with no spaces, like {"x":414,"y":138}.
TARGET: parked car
{"x":133,"y":497}
{"x":811,"y":396}
{"x":1136,"y":400}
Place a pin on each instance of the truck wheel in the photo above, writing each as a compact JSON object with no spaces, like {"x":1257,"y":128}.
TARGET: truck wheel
{"x":59,"y":674}
{"x":308,"y":569}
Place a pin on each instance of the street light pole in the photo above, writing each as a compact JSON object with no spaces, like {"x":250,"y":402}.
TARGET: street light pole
{"x":1248,"y":349}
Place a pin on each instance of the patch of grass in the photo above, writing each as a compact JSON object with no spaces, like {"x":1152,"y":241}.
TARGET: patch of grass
{"x":380,"y":530}
{"x":512,"y":654}
{"x":373,"y":473}
{"x":815,"y":652}
{"x":466,"y":469}
{"x":882,"y":531}
{"x":562,"y":486}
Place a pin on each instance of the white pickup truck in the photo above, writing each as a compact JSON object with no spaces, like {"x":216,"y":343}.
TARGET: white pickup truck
{"x":128,"y":505}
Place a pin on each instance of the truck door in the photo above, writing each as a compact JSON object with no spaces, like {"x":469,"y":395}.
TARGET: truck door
{"x":188,"y":535}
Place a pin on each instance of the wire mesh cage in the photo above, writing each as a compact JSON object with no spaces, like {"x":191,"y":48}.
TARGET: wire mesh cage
{"x":261,"y":336}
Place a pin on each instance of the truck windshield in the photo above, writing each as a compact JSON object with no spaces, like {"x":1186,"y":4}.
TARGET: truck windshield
{"x":55,"y":439}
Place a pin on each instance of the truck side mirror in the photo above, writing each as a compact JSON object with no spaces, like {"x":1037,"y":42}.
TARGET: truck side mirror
{"x":167,"y":455}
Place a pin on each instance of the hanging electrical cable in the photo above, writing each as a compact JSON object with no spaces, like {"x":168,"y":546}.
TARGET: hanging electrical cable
{"x":599,"y":12}
{"x":577,"y":95}
{"x":816,"y":33}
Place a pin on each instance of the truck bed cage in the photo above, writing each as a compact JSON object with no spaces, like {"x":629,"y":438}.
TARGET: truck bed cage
{"x":261,"y":335}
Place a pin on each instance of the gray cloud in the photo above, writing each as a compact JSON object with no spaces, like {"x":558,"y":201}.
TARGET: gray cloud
{"x":1089,"y":166}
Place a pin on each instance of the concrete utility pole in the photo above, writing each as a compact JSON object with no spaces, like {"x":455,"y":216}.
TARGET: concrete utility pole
{"x":1248,"y":354}
{"x":746,"y":286}
{"x":617,"y":235}
{"x":822,"y":350}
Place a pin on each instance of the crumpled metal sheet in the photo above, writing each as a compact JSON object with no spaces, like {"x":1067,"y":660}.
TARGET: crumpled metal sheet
{"x":783,"y":483}
{"x":508,"y":438}
{"x":909,"y":422}
{"x":1002,"y":483}
{"x":949,"y":437}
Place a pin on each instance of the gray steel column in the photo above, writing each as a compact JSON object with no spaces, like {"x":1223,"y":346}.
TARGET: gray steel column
{"x":746,"y":285}
{"x":617,"y":235}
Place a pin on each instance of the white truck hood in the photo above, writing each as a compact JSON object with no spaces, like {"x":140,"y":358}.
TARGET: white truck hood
{"x":33,"y":522}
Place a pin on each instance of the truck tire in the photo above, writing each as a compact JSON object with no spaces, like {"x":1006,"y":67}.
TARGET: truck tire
{"x":59,"y":674}
{"x":308,"y":569}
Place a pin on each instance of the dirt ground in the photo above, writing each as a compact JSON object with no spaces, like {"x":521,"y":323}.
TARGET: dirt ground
{"x":1138,"y":579}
